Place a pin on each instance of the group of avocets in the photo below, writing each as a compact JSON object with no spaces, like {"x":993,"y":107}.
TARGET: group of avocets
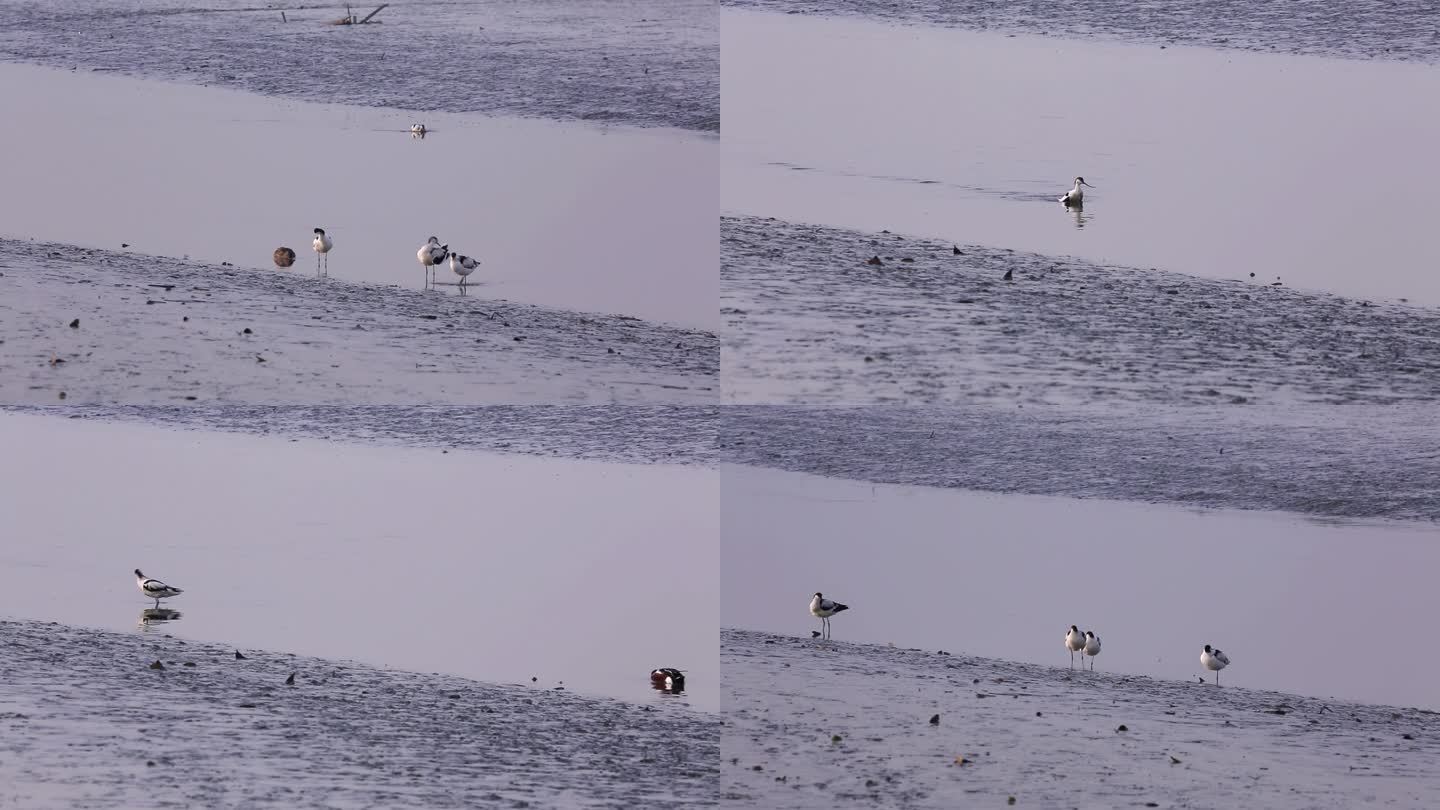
{"x":1086,"y":643}
{"x":665,"y":679}
{"x":430,"y":254}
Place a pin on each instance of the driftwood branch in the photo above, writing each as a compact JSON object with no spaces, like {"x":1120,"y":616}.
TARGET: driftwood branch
{"x":350,"y":17}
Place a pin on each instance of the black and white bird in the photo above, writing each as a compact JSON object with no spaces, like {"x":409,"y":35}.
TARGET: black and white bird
{"x":430,"y":254}
{"x":463,"y":266}
{"x":1214,"y":660}
{"x":1092,"y":647}
{"x":418,"y":130}
{"x":1075,"y":642}
{"x":668,"y":678}
{"x":1075,"y":197}
{"x":823,"y":609}
{"x":154,"y":588}
{"x":322,"y":245}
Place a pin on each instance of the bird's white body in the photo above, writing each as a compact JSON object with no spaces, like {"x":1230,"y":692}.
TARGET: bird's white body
{"x":822,"y":609}
{"x":322,"y":244}
{"x":1092,"y":646}
{"x":417,"y":129}
{"x":1214,"y":660}
{"x":462,"y":265}
{"x":1074,"y":642}
{"x":1076,"y":195}
{"x":430,"y":254}
{"x":154,"y":588}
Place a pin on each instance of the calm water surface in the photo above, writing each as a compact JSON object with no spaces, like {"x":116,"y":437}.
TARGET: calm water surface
{"x":494,"y":567}
{"x":1317,"y":609}
{"x":1216,"y":163}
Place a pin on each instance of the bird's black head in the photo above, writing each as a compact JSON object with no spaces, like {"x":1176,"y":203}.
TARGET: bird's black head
{"x":1074,"y":629}
{"x":142,"y":576}
{"x":1207,"y":648}
{"x":320,"y":230}
{"x":1089,"y":634}
{"x":818,"y":596}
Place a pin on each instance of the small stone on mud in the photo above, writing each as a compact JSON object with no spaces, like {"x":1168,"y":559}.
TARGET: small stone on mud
{"x":875,"y":261}
{"x":1122,"y":727}
{"x":158,"y":665}
{"x":835,"y":738}
{"x":935,"y":720}
{"x":75,"y":324}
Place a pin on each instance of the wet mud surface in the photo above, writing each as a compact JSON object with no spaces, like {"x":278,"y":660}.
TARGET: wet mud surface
{"x":627,"y":434}
{"x":635,"y":63}
{"x":155,"y":330}
{"x":1368,"y":29}
{"x":808,"y":319}
{"x":88,"y":722}
{"x":1326,"y":463}
{"x":85,"y":721}
{"x":823,"y":725}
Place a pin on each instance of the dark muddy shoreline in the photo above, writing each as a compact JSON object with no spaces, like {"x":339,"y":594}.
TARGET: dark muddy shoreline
{"x":835,"y":724}
{"x":85,"y":721}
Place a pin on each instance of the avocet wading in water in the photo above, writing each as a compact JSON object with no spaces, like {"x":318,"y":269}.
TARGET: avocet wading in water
{"x":463,"y":266}
{"x":823,"y":609}
{"x":668,"y":678}
{"x":430,"y":254}
{"x":1092,"y":648}
{"x":322,"y":245}
{"x":1214,"y":660}
{"x":418,"y":130}
{"x":1075,"y":197}
{"x":154,"y":588}
{"x":1075,"y":642}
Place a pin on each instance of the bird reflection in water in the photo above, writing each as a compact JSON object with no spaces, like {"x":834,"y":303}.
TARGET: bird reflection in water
{"x":150,"y":617}
{"x":1077,"y":211}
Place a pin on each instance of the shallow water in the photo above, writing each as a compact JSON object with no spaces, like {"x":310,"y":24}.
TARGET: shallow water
{"x":150,"y":330}
{"x":633,"y":62}
{"x":498,"y":567}
{"x":1006,"y":575}
{"x":1212,"y":163}
{"x":809,"y":320}
{"x":1324,"y":462}
{"x":811,"y":725}
{"x":583,"y":217}
{"x":85,"y":722}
